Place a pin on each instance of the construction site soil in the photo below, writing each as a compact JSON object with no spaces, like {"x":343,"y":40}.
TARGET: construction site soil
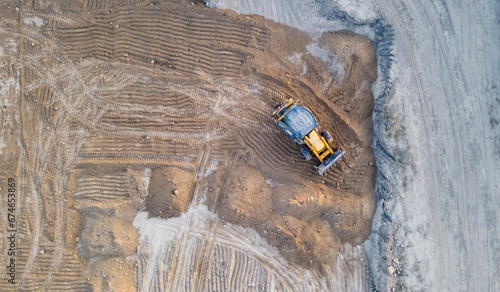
{"x":115,"y":107}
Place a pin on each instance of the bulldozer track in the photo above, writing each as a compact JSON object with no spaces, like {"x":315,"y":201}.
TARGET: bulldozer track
{"x":105,"y":187}
{"x":176,"y":42}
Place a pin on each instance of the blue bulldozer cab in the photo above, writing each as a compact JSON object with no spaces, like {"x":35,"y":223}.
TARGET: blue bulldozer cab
{"x":297,"y":122}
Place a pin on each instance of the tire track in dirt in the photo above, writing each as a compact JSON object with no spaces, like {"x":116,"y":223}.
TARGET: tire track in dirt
{"x":239,"y":242}
{"x":174,"y":59}
{"x":244,"y":35}
{"x":200,"y":137}
{"x":275,"y":152}
{"x":102,"y":187}
{"x":10,"y":124}
{"x":138,"y":121}
{"x":205,"y":257}
{"x":132,"y":158}
{"x":39,"y":154}
{"x":140,"y":146}
{"x":27,"y":167}
{"x":53,"y":16}
{"x":180,"y":247}
{"x":181,"y":53}
{"x":178,"y":265}
{"x":287,"y":277}
{"x":175,"y":281}
{"x":70,"y":270}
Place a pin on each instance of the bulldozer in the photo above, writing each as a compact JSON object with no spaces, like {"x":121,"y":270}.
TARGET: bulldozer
{"x":301,"y":125}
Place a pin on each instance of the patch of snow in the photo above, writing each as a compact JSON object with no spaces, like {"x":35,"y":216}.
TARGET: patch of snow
{"x":147,"y":179}
{"x":296,"y":58}
{"x":319,"y":52}
{"x":363,"y":10}
{"x":35,"y":21}
{"x":304,"y":69}
{"x":2,"y":145}
{"x":272,"y":183}
{"x":8,"y":88}
{"x":336,"y":67}
{"x":213,"y":165}
{"x":10,"y":46}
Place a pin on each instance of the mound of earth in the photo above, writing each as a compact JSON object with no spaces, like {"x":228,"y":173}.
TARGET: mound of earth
{"x":169,"y":192}
{"x":106,"y":236}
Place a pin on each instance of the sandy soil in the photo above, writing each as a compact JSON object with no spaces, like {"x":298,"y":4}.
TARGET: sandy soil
{"x":111,"y":108}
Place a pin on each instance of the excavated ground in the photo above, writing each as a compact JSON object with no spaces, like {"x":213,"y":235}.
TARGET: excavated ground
{"x":111,"y":107}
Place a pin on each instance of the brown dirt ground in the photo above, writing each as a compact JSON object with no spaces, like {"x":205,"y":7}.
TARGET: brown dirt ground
{"x":155,"y":105}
